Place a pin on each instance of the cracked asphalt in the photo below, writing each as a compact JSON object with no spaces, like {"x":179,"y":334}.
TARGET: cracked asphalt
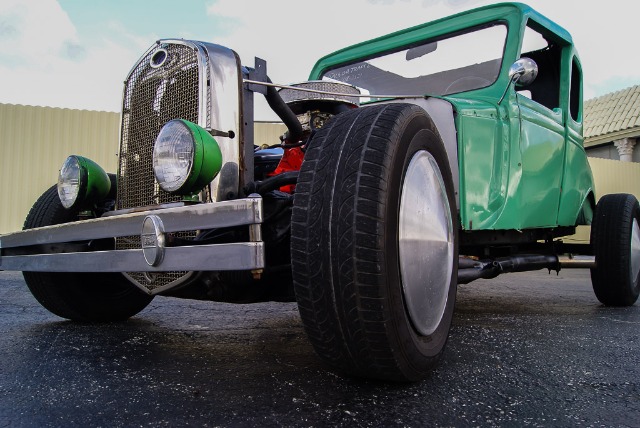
{"x":526,"y":349}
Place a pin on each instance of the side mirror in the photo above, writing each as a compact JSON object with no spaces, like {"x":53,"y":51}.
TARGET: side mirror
{"x":523,"y":72}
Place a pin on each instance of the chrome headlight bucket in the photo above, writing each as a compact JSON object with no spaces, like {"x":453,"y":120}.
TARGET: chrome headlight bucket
{"x":185,"y":157}
{"x":82,"y":182}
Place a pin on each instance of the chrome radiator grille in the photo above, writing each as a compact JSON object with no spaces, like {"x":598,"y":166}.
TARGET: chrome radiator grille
{"x":153,"y":95}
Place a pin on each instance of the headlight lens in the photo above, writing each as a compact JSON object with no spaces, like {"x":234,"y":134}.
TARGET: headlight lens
{"x":173,"y":156}
{"x":185,"y":157}
{"x":69,"y":182}
{"x":82,"y":182}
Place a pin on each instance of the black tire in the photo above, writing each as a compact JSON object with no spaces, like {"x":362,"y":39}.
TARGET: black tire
{"x":615,"y":239}
{"x":85,"y":297}
{"x":345,"y":243}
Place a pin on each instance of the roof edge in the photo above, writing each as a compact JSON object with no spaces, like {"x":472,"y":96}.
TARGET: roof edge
{"x":609,"y":138}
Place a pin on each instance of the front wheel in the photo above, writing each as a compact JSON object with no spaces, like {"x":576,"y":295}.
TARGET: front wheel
{"x":88,"y":297}
{"x":374,"y":243}
{"x":615,"y":238}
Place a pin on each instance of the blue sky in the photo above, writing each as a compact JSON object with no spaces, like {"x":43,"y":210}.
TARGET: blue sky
{"x":76,"y":53}
{"x":96,"y":19}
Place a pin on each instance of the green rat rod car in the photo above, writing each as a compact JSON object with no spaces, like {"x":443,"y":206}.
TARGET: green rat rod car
{"x":427,"y":158}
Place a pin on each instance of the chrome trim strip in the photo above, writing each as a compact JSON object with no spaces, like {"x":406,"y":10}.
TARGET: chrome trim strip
{"x":203,"y":107}
{"x":224,"y":110}
{"x":143,"y":209}
{"x":214,"y":257}
{"x":193,"y":217}
{"x":316,"y":91}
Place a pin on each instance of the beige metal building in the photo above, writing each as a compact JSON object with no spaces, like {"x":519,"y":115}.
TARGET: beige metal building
{"x":34,"y":141}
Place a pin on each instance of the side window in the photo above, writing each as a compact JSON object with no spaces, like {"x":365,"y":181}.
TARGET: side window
{"x":575,"y":91}
{"x":540,"y":48}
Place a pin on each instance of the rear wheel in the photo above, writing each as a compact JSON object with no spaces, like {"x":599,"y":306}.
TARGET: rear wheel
{"x":615,"y":237}
{"x":374,"y":243}
{"x":89,"y":297}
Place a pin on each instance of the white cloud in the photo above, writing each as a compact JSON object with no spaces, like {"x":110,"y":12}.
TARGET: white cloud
{"x":44,"y":61}
{"x":607,"y":43}
{"x":38,"y":30}
{"x":47,"y":64}
{"x":292,"y":34}
{"x":134,"y":42}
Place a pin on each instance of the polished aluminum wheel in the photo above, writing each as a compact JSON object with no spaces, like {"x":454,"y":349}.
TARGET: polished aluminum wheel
{"x":426,"y":245}
{"x":635,"y":251}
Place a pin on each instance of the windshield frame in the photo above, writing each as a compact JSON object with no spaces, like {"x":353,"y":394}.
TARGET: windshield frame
{"x":398,"y":84}
{"x":514,"y":14}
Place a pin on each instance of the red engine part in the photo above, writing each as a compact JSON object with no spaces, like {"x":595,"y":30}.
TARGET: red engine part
{"x":291,"y":161}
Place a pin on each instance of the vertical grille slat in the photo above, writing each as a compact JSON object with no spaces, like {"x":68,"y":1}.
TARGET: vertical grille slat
{"x":152,"y":97}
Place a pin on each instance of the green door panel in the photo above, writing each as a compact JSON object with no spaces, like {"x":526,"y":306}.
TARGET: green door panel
{"x":542,"y":148}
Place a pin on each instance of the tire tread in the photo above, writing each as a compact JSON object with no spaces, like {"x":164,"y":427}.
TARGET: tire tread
{"x":611,"y":240}
{"x":337,"y":241}
{"x":76,"y":296}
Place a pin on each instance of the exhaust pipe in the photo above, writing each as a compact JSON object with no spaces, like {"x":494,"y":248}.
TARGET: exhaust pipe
{"x":470,"y":269}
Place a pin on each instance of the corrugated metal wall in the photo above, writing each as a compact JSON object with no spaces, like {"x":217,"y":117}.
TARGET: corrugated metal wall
{"x":610,"y":176}
{"x":34,"y":141}
{"x":268,"y":133}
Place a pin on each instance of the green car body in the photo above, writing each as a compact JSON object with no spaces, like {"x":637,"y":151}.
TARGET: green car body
{"x":521,"y":164}
{"x":414,"y":163}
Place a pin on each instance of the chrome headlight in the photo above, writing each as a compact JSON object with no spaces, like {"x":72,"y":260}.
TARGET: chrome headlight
{"x":185,"y":157}
{"x":82,"y":182}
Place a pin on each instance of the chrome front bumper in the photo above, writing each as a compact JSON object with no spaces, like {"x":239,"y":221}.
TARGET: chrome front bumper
{"x":154,"y":256}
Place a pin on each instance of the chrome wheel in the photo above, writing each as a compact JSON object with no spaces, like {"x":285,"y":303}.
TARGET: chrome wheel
{"x":426,"y":243}
{"x":635,"y":251}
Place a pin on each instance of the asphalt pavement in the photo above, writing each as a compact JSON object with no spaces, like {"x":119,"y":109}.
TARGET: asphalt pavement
{"x":526,"y":349}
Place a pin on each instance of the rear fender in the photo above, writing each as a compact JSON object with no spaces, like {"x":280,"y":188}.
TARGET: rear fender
{"x":588,"y":207}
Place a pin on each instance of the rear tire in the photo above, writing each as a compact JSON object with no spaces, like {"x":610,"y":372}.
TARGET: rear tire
{"x":615,"y":237}
{"x":374,"y":243}
{"x":87,"y":297}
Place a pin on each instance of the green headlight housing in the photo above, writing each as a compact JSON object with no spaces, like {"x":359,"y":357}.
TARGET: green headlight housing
{"x":185,"y":157}
{"x":82,"y":183}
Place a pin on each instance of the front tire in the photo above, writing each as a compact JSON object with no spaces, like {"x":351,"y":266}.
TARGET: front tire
{"x":615,"y":237}
{"x":374,"y":243}
{"x":86,"y":297}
